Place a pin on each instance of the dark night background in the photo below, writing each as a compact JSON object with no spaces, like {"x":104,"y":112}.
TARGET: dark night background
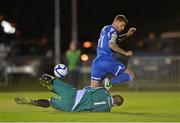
{"x":30,"y":49}
{"x":35,"y":18}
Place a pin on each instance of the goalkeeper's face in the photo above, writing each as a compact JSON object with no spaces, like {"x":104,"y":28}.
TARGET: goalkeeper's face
{"x":120,"y":25}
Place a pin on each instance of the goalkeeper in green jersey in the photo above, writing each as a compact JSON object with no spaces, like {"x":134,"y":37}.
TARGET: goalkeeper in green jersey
{"x":69,"y":99}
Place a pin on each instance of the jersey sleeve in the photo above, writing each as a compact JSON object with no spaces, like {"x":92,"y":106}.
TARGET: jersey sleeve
{"x":113,"y":35}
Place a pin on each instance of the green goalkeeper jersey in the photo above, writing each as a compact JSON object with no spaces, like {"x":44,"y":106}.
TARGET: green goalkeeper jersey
{"x":95,"y":100}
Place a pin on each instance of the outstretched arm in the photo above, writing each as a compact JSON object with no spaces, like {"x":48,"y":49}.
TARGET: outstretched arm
{"x":122,"y":37}
{"x":126,"y":35}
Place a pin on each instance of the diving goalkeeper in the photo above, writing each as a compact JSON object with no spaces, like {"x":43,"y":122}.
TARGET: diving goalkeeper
{"x":69,"y":99}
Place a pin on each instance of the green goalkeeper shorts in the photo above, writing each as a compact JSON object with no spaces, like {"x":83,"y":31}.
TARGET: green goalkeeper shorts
{"x":66,"y":96}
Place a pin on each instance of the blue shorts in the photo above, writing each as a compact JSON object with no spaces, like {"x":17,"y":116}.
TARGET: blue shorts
{"x":103,"y":65}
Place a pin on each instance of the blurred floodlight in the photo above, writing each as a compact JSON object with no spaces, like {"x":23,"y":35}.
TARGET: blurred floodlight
{"x":168,"y":61}
{"x":84,"y":57}
{"x":170,"y":35}
{"x":7,"y":27}
{"x":136,"y":62}
{"x":87,"y":44}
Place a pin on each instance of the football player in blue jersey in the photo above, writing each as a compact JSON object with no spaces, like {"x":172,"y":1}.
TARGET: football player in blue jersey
{"x":105,"y":62}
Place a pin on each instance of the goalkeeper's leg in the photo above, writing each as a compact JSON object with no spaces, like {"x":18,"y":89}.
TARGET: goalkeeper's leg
{"x":57,"y":86}
{"x":46,"y":80}
{"x":38,"y":102}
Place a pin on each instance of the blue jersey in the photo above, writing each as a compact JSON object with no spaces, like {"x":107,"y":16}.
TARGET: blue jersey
{"x":103,"y":48}
{"x":105,"y":62}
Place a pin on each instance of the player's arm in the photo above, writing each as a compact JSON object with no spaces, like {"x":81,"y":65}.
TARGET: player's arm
{"x":126,"y":35}
{"x":113,"y":45}
{"x":122,"y":37}
{"x":117,"y":49}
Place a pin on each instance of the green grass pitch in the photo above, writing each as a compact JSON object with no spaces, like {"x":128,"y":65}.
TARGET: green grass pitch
{"x":138,"y":106}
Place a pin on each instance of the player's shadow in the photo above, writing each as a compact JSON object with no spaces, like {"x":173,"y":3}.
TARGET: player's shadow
{"x":141,"y":114}
{"x":134,"y":113}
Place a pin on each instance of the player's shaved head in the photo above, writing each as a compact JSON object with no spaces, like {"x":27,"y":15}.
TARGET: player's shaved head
{"x":120,"y":22}
{"x":121,"y":18}
{"x":117,"y":100}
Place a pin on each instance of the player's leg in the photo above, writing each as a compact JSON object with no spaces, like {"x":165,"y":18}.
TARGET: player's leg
{"x":64,"y":103}
{"x":66,"y":94}
{"x":66,"y":100}
{"x":57,"y":86}
{"x":46,"y":80}
{"x":122,"y":78}
{"x":97,"y":73}
{"x":121,"y":73}
{"x":63,"y":89}
{"x":38,"y":102}
{"x":95,"y":83}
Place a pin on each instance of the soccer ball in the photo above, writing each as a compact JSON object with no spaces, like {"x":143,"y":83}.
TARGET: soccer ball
{"x":60,"y":70}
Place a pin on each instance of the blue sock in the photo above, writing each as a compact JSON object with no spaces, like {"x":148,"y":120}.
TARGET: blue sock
{"x":122,"y":78}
